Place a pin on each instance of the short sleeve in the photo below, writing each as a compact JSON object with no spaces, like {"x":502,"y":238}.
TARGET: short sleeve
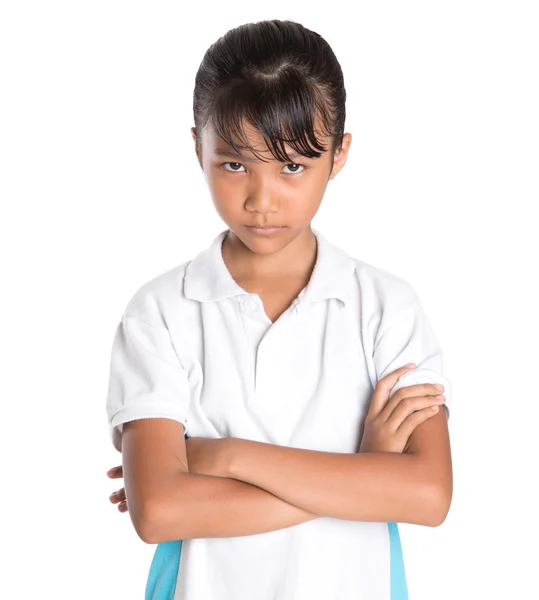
{"x":408,"y":337}
{"x":146,"y":378}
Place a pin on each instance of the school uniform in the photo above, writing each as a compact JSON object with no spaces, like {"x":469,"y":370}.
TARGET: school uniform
{"x":194,"y":346}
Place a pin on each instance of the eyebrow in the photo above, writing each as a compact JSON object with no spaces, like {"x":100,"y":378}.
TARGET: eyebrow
{"x":232,"y":154}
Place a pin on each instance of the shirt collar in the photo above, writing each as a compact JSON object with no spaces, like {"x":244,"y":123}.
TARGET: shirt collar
{"x":207,"y":278}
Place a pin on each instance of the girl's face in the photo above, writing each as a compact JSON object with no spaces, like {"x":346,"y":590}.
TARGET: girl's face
{"x":273,"y":193}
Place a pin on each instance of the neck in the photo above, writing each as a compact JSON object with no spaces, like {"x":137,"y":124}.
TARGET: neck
{"x":296,"y":259}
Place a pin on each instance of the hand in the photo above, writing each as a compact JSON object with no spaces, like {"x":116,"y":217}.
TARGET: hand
{"x":118,"y":497}
{"x":205,"y":456}
{"x":389,"y":423}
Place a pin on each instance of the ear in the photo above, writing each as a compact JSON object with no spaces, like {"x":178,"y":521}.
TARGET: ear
{"x":341,"y":155}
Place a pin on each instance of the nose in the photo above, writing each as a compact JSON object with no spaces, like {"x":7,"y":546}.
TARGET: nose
{"x":262,"y":198}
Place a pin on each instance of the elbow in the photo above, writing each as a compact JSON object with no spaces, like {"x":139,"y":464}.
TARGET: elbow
{"x":154,"y":527}
{"x":437,"y":502}
{"x":164,"y":516}
{"x":146,"y":524}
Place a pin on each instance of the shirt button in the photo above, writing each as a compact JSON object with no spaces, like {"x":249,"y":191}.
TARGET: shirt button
{"x":248,"y":304}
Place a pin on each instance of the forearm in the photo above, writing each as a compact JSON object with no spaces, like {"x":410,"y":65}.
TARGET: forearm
{"x":381,"y":487}
{"x":203,"y":506}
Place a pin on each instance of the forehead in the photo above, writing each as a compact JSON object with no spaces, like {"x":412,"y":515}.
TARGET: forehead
{"x":220,"y":147}
{"x":217,"y":145}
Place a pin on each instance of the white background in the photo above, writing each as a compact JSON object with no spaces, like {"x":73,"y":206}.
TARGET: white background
{"x":101,"y":191}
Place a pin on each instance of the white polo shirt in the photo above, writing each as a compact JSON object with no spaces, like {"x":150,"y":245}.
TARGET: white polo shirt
{"x":194,"y":346}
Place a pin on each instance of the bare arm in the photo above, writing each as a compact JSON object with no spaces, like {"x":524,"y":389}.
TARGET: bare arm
{"x":166,"y":502}
{"x":413,"y":487}
{"x":229,"y":497}
{"x":220,"y":507}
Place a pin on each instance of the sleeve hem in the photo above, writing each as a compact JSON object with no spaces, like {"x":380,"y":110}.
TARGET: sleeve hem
{"x":426,"y":376}
{"x":156,"y":410}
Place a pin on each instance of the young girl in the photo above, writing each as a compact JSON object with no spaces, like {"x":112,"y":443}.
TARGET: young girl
{"x":284,"y":358}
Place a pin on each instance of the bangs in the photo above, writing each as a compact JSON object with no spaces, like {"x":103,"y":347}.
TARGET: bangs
{"x":283,"y":108}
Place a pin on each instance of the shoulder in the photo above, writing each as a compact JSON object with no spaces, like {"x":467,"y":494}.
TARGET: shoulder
{"x":382,"y":290}
{"x":153,"y":300}
{"x":378,"y":290}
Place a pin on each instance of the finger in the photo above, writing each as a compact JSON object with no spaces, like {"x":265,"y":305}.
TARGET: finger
{"x":415,"y":419}
{"x":384,"y":387}
{"x":408,"y":406}
{"x":409,"y":391}
{"x":117,"y":496}
{"x":115,"y":472}
{"x":122,"y":507}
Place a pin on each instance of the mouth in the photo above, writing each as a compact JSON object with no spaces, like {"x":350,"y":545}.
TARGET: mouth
{"x":266,"y":230}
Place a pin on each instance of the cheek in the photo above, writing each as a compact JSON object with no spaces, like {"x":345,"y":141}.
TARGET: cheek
{"x":225,"y":184}
{"x":226,"y":201}
{"x":221,"y":187}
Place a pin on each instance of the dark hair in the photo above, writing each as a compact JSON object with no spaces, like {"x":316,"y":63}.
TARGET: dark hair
{"x":278,"y":76}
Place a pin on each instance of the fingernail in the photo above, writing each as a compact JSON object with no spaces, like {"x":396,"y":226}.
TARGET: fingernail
{"x":439,"y":387}
{"x":410,"y":365}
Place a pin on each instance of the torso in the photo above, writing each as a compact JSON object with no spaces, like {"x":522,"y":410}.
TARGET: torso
{"x":306,"y":382}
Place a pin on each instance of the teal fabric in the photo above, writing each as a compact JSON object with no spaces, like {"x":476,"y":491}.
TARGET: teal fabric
{"x":399,"y":590}
{"x":161,"y":583}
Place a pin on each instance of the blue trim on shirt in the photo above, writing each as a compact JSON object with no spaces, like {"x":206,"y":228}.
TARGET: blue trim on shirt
{"x":399,"y":590}
{"x":161,"y":584}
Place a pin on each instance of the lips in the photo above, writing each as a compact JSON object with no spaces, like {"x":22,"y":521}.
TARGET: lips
{"x":265,"y":231}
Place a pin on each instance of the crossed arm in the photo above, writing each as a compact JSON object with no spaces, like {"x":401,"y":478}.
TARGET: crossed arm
{"x":372,"y":486}
{"x":264,"y":487}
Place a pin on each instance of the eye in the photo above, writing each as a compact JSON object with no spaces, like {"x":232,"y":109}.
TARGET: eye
{"x":303,"y":167}
{"x":232,"y":163}
{"x":296,"y":165}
